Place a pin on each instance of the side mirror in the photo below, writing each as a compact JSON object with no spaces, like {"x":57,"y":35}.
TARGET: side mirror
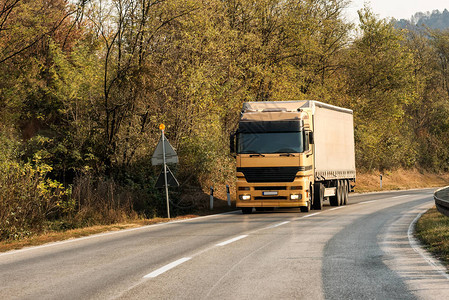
{"x":306,"y":137}
{"x":311,"y":140}
{"x":232,"y":144}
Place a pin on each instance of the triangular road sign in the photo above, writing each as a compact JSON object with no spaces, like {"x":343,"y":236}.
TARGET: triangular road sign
{"x":171,"y":180}
{"x":170,"y":154}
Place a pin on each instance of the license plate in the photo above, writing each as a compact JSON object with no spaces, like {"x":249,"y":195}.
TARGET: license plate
{"x":270,"y":193}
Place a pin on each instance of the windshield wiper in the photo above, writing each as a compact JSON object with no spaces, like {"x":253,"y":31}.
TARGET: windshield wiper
{"x":286,"y":154}
{"x":257,"y":154}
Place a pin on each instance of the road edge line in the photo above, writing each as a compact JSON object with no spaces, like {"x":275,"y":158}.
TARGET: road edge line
{"x":417,"y":247}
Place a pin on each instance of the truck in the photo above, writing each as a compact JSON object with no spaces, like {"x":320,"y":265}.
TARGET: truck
{"x":293,"y":154}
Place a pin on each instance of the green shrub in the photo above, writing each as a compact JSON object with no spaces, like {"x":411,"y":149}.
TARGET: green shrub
{"x":27,"y":197}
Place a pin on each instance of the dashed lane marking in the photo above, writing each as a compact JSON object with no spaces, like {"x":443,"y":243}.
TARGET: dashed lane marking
{"x":277,"y":225}
{"x":311,"y":215}
{"x":337,"y":208}
{"x":366,"y":202}
{"x":167,"y":267}
{"x":232,"y":240}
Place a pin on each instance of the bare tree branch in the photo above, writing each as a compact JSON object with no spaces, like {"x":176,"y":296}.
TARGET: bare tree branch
{"x":39,"y":38}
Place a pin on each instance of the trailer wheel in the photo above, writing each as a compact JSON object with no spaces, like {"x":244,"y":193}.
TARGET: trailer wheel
{"x":342,"y":192}
{"x":345,"y":192}
{"x":336,"y":200}
{"x":247,"y":210}
{"x":318,"y":196}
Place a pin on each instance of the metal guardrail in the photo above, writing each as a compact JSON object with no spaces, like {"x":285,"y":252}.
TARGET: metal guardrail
{"x":441,"y":197}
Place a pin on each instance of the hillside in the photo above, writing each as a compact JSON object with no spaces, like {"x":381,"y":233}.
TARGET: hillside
{"x":434,"y":20}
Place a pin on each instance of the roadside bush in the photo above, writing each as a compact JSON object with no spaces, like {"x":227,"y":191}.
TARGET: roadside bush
{"x":27,"y":197}
{"x":100,"y":201}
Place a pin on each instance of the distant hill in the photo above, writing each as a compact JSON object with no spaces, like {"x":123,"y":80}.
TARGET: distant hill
{"x":434,"y":20}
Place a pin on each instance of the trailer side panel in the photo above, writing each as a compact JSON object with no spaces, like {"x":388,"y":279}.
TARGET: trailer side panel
{"x":334,"y":143}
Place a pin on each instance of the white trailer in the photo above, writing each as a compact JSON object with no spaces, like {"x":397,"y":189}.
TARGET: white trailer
{"x":334,"y":154}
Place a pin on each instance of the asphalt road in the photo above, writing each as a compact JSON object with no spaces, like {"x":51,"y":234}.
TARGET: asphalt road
{"x":364,"y":250}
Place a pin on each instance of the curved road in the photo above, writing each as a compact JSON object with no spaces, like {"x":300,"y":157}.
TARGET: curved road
{"x":364,"y":250}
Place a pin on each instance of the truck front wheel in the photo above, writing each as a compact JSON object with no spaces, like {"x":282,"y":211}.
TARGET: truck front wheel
{"x":309,"y":202}
{"x":247,"y":210}
{"x":318,"y":196}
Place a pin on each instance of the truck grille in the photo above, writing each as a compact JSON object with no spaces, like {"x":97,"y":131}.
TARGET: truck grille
{"x":270,"y":174}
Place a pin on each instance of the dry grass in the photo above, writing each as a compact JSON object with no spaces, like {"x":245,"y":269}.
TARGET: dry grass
{"x":399,"y":180}
{"x":432,"y":229}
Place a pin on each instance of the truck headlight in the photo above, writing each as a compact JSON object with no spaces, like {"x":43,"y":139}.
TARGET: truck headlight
{"x":295,"y":197}
{"x":245,"y":197}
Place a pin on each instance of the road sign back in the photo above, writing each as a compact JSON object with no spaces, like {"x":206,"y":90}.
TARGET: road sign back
{"x":170,"y":154}
{"x":171,"y":180}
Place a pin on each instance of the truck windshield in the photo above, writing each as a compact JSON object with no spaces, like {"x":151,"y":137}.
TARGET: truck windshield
{"x":270,"y":142}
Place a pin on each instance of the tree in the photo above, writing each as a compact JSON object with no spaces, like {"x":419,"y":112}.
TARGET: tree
{"x":380,"y":80}
{"x":429,"y":114}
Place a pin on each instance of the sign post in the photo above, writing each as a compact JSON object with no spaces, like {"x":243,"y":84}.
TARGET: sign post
{"x":211,"y":197}
{"x":228,"y":194}
{"x":380,"y":181}
{"x":164,"y":154}
{"x":162,"y":128}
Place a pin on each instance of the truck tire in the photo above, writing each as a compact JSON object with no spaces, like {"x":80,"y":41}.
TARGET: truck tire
{"x":336,"y":200}
{"x":304,"y":208}
{"x":318,"y":196}
{"x":247,"y":210}
{"x":342,"y":193}
{"x":345,"y":192}
{"x":309,"y":202}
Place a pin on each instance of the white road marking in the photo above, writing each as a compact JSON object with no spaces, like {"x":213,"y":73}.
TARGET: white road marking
{"x":416,"y":247}
{"x":277,"y":225}
{"x":286,"y":222}
{"x":232,"y":240}
{"x":311,"y":215}
{"x":400,"y":196}
{"x":167,"y":267}
{"x":336,"y":208}
{"x":366,"y":202}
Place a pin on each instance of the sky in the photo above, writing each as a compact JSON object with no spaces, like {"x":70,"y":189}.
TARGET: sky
{"x":398,"y":9}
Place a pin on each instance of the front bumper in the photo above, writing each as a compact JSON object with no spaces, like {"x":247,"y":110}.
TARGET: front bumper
{"x":273,"y":194}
